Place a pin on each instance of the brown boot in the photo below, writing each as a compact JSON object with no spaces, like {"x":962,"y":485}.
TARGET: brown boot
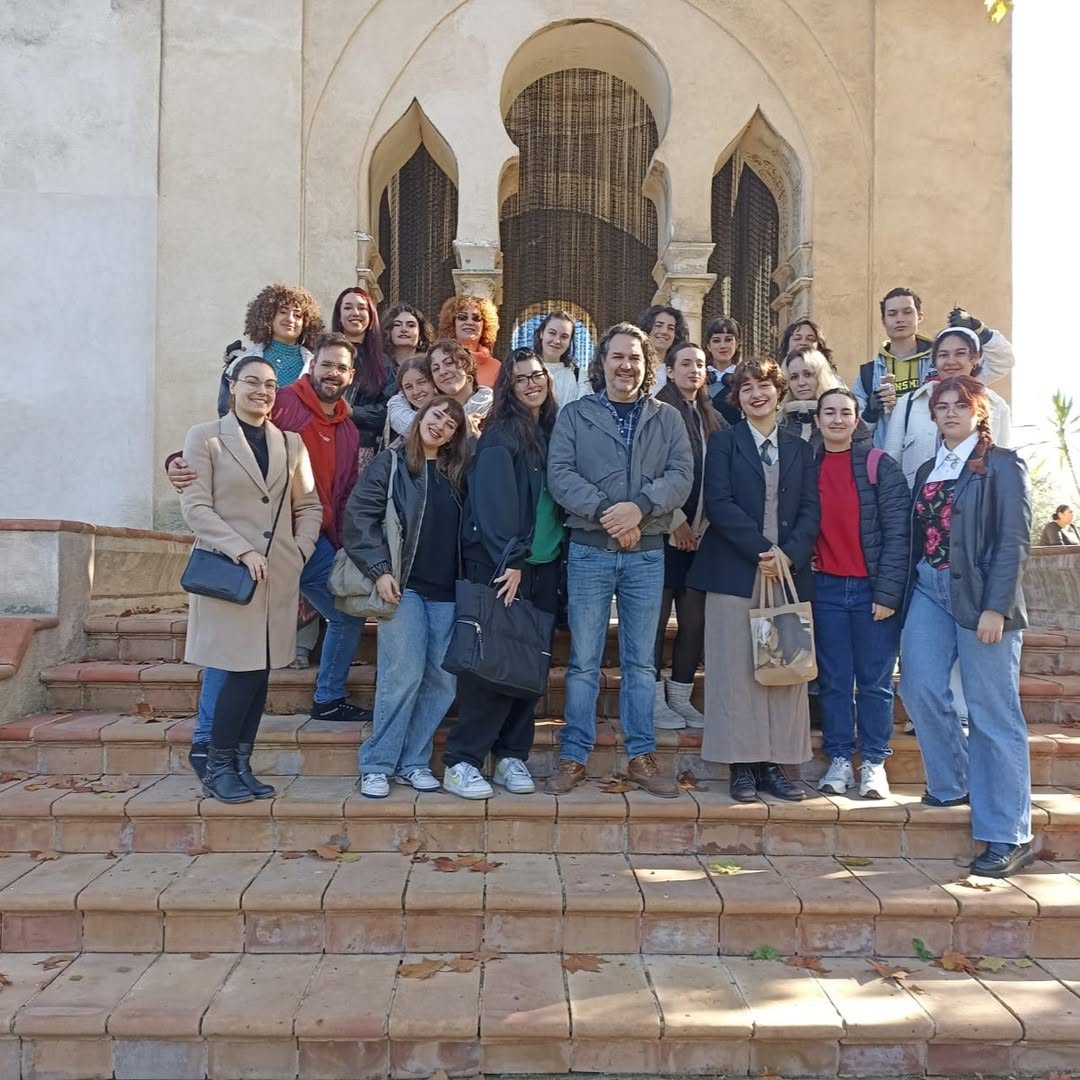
{"x":644,"y":772}
{"x":565,"y":778}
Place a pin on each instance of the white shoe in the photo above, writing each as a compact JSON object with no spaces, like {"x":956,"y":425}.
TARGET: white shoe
{"x":422,"y":779}
{"x":873,"y":783}
{"x":465,"y":780}
{"x":909,"y":727}
{"x":839,"y":777}
{"x":663,"y":717}
{"x":374,"y":785}
{"x":513,"y":774}
{"x":678,"y":699}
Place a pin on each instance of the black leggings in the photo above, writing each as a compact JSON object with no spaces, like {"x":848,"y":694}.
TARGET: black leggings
{"x":239,"y":708}
{"x":689,"y":646}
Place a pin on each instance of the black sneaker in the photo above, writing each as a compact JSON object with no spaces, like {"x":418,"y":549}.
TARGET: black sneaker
{"x":197,"y":758}
{"x":1001,"y":860}
{"x":933,"y":800}
{"x":340,"y":711}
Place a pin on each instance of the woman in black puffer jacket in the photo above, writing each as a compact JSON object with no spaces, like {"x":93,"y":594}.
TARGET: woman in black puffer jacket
{"x":861,"y":568}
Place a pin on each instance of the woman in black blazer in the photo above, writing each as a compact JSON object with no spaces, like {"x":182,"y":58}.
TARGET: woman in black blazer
{"x":761,"y":500}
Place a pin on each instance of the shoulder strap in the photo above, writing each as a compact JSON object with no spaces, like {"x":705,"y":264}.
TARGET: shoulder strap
{"x":866,"y":377}
{"x":284,"y":493}
{"x":873,"y":459}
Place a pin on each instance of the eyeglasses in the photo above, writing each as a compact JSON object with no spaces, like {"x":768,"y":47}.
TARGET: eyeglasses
{"x":257,"y":384}
{"x":469,"y":316}
{"x":533,"y":377}
{"x":329,"y":369}
{"x":943,"y":408}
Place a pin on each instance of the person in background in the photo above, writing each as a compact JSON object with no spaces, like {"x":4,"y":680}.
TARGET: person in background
{"x":553,"y":342}
{"x":665,"y":325}
{"x":971,"y":530}
{"x":473,"y":322}
{"x":761,"y":500}
{"x":860,"y":575}
{"x":685,"y":391}
{"x":509,"y":516}
{"x":805,"y":334}
{"x":412,"y":692}
{"x":619,"y":464}
{"x":406,"y":333}
{"x":282,"y":325}
{"x":245,"y":470}
{"x":1056,"y":530}
{"x":809,"y":377}
{"x":415,"y":388}
{"x":722,"y":338}
{"x":452,"y":368}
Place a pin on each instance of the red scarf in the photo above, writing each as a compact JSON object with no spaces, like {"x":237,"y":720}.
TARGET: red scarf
{"x":320,"y":439}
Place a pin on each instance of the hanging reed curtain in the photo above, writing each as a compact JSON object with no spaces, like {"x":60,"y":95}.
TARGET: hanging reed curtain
{"x":745,"y":230}
{"x":579,"y":227}
{"x":417,"y":224}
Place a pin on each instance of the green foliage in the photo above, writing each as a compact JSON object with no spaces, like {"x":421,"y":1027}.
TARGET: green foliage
{"x":765,"y":952}
{"x":996,"y":10}
{"x":921,"y":951}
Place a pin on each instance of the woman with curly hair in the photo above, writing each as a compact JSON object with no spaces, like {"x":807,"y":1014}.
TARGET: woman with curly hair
{"x":971,"y":530}
{"x":665,"y":325}
{"x":474,"y":322}
{"x":374,"y":382}
{"x":282,"y":325}
{"x":406,"y":333}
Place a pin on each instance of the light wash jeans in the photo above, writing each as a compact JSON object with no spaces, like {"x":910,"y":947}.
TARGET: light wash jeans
{"x":339,"y":645}
{"x":636,"y":580}
{"x":854,"y":653}
{"x":412,"y":692}
{"x":991,"y":764}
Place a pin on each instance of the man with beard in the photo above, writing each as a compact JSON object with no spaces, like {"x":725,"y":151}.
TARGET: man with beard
{"x":312,"y":407}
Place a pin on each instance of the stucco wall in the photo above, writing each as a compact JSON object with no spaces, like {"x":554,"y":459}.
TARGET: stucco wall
{"x":78,"y":186}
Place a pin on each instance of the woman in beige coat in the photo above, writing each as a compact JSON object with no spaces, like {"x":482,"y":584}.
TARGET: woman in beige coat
{"x":246,"y":468}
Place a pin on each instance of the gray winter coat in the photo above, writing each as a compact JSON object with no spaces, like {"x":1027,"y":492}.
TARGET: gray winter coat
{"x":590,"y":468}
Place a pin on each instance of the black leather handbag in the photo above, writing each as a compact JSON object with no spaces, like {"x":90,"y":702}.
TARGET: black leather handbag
{"x":508,"y":647}
{"x":209,"y":573}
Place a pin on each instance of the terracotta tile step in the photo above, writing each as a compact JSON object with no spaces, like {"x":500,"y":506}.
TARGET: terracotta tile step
{"x":111,"y":742}
{"x":287,"y":1016}
{"x":168,"y":814}
{"x":387,"y":902}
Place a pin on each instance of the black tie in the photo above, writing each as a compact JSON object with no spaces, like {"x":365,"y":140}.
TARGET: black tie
{"x":766,"y":456}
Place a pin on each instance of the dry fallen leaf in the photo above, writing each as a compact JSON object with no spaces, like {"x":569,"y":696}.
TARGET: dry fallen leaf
{"x":725,"y":868}
{"x":892,"y":974}
{"x":409,"y":847}
{"x":688,"y":781}
{"x":991,"y":963}
{"x":423,"y":969}
{"x":445,"y":865}
{"x":4,"y":980}
{"x":51,"y":962}
{"x":349,"y":856}
{"x":326,"y":851}
{"x":485,"y":955}
{"x":809,"y":963}
{"x":198,"y":849}
{"x":469,"y":860}
{"x":582,"y":962}
{"x":44,"y":856}
{"x":462,"y":964}
{"x":439,"y":1074}
{"x":8,"y":777}
{"x":1025,"y":963}
{"x":110,"y":855}
{"x":955,"y":961}
{"x":484,"y":867}
{"x":855,"y":860}
{"x":614,"y":785}
{"x":144,"y":711}
{"x":1046,"y":855}
{"x":982,"y":886}
{"x":292,"y":854}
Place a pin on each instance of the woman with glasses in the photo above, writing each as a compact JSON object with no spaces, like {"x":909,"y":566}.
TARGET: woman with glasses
{"x":509,"y":517}
{"x":472,"y":321}
{"x":406,"y":333}
{"x":253,"y":500}
{"x":971,"y":529}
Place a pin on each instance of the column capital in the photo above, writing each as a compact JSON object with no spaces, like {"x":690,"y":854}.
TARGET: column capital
{"x":369,"y":264}
{"x":479,"y":269}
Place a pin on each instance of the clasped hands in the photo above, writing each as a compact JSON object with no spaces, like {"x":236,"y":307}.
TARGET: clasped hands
{"x":621,"y":522}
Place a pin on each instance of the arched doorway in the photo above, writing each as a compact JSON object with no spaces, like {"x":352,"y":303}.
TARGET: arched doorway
{"x":578,"y":225}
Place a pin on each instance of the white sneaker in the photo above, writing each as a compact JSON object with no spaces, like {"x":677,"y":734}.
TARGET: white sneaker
{"x":465,"y":780}
{"x":678,"y":699}
{"x":873,"y":783}
{"x":422,"y":779}
{"x":374,"y":785}
{"x":839,"y":777}
{"x":513,"y":774}
{"x":663,"y":717}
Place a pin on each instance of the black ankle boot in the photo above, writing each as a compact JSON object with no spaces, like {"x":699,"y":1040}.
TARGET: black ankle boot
{"x":743,"y":784}
{"x":221,"y":781}
{"x":771,"y":778}
{"x":197,"y":758}
{"x":247,"y":777}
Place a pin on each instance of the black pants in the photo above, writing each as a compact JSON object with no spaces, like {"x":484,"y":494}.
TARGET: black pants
{"x":490,"y":721}
{"x":239,"y":708}
{"x":689,"y":647}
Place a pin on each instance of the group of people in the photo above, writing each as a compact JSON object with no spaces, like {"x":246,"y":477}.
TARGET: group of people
{"x":659,"y":474}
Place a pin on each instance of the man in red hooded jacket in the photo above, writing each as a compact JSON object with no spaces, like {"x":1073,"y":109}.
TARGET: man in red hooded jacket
{"x":313,"y":407}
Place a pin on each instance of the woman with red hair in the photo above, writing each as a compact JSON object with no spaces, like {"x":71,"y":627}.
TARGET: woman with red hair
{"x":474,"y":322}
{"x":971,"y":530}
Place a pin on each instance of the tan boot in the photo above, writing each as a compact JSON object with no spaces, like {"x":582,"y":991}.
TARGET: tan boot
{"x":565,"y":778}
{"x":644,"y":772}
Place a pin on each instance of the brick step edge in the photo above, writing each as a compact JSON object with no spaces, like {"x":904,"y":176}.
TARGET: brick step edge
{"x":130,"y":1015}
{"x":258,"y":902}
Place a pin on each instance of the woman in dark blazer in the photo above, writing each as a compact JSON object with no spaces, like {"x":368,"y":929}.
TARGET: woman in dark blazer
{"x":761,"y":501}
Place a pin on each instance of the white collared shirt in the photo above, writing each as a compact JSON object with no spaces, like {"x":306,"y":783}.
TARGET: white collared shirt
{"x":948,"y":464}
{"x":759,"y":438}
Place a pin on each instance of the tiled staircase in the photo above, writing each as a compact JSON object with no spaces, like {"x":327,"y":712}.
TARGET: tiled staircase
{"x":149,"y":933}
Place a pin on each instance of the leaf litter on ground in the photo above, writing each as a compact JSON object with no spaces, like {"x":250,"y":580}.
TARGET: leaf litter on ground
{"x":582,"y":962}
{"x":951,"y":960}
{"x":689,"y":782}
{"x":725,"y":867}
{"x":808,"y":963}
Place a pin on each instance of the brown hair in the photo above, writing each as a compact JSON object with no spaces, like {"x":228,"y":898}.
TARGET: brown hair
{"x":453,"y":458}
{"x":761,"y":368}
{"x":460,"y":354}
{"x":259,"y":320}
{"x":459,"y":303}
{"x":710,"y":418}
{"x":596,"y":366}
{"x":335,"y":341}
{"x":972,"y":393}
{"x":414,"y":363}
{"x":426,"y":332}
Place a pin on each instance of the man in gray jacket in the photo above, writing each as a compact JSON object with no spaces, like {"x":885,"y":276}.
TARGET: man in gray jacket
{"x":619,"y":463}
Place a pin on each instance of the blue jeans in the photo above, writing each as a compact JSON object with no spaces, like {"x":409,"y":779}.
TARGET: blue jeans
{"x":339,"y":645}
{"x":854,"y":652}
{"x":636,"y":580}
{"x":991,"y":764}
{"x":412,"y":692}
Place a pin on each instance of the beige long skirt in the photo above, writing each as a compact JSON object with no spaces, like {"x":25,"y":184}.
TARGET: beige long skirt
{"x":745,"y":721}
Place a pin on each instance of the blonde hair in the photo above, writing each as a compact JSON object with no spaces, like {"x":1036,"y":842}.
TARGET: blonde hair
{"x":819,"y":364}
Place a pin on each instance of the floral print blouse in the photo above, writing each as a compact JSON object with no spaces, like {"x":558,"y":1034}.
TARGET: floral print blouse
{"x":933,"y":512}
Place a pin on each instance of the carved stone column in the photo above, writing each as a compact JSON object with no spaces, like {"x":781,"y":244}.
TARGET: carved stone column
{"x":794,"y":278}
{"x":683,"y":278}
{"x":479,"y":270}
{"x":369,"y":265}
